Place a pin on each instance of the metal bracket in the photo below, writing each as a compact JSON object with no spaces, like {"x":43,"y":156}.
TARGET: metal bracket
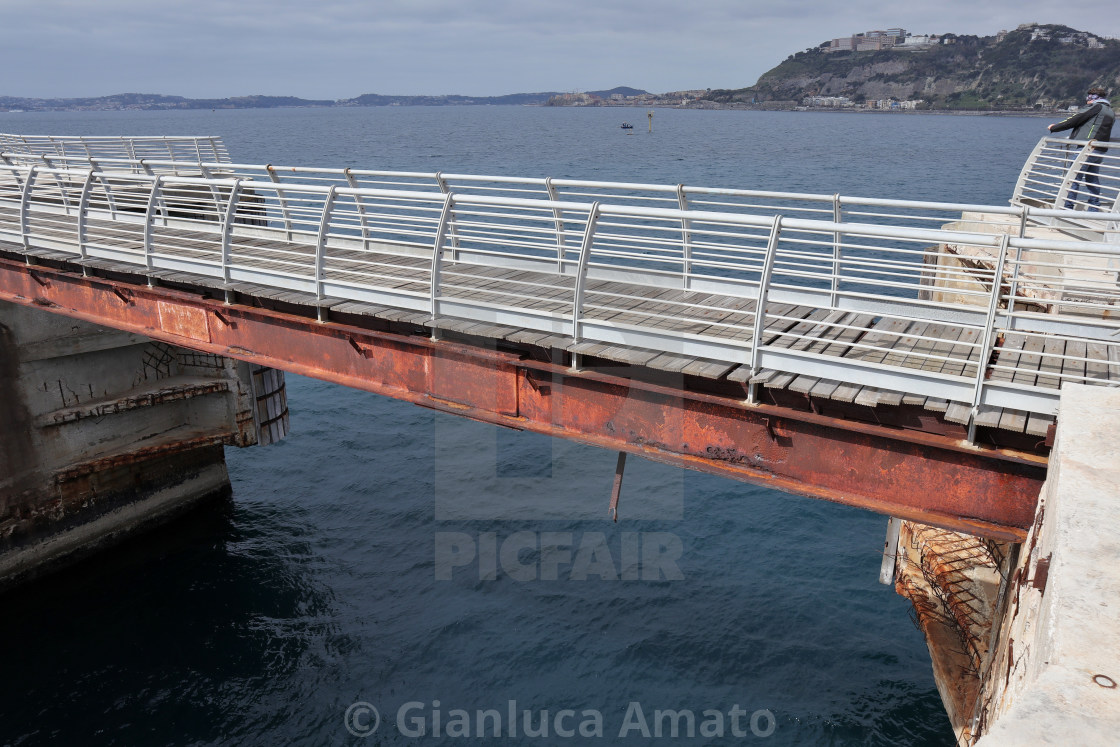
{"x":539,"y":387}
{"x":770,"y":430}
{"x":616,"y":491}
{"x":890,"y":551}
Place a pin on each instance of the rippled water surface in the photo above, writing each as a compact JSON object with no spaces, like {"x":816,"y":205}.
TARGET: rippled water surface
{"x":264,"y":619}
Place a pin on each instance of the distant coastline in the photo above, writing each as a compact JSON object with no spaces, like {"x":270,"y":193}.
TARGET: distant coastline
{"x":647,"y":104}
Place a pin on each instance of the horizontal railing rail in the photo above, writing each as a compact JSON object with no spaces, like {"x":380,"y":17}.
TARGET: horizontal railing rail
{"x":1040,"y":200}
{"x":699,"y":275}
{"x":131,"y":148}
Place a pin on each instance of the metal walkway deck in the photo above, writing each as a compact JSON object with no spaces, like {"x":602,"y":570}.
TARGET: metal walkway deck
{"x":872,"y":313}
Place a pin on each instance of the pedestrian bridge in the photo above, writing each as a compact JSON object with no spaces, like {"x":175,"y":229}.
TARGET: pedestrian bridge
{"x":835,"y":346}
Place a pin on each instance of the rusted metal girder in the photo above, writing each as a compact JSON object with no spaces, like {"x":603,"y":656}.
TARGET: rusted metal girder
{"x":924,"y":477}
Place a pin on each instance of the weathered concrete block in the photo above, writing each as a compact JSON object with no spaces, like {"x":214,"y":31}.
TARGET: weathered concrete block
{"x":105,"y":433}
{"x":1055,"y":677}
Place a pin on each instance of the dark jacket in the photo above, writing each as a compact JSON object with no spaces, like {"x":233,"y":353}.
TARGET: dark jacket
{"x":1094,"y":122}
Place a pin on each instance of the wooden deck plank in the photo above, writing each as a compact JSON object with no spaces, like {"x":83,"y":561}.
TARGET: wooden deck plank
{"x":846,"y":392}
{"x":855,"y":327}
{"x":708,"y":369}
{"x":935,"y":404}
{"x":1073,"y":367}
{"x":780,"y":381}
{"x":1097,"y":367}
{"x":964,"y":354}
{"x":1050,"y":367}
{"x":824,"y":388}
{"x":1013,"y":420}
{"x":1007,"y":357}
{"x":1026,"y":370}
{"x":1039,"y":424}
{"x":958,"y":412}
{"x":803,"y":384}
{"x":989,"y":416}
{"x":883,"y":335}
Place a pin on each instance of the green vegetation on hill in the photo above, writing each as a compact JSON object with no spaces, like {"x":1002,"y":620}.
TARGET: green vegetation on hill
{"x":962,"y":72}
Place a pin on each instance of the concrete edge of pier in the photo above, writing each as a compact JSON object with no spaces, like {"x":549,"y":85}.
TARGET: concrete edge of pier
{"x":1055,"y":675}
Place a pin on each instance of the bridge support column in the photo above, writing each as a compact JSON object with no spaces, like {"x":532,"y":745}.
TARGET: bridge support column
{"x":1054,"y":672}
{"x":104,"y":433}
{"x":1023,"y":637}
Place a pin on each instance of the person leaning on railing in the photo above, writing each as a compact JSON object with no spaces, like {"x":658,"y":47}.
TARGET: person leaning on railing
{"x":1091,"y":122}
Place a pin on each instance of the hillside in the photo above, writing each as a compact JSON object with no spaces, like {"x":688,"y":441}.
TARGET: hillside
{"x":150,"y":101}
{"x":1035,"y":66}
{"x":153,"y":101}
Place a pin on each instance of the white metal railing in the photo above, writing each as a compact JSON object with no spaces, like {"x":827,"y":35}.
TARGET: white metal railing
{"x":1039,"y":202}
{"x":175,"y":148}
{"x":1077,"y":175}
{"x":709,"y":283}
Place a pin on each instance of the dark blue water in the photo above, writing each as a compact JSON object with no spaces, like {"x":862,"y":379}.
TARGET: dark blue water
{"x":386,"y":555}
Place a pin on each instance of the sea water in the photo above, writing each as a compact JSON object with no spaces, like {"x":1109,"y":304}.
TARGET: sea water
{"x":386,"y":566}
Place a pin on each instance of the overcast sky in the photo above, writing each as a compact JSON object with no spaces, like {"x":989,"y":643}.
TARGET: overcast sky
{"x":334,"y":49}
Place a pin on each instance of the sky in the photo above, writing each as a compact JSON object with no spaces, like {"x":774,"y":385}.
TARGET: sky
{"x":332,"y":49}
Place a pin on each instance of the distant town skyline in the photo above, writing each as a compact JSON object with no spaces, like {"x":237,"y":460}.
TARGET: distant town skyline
{"x":343,"y":48}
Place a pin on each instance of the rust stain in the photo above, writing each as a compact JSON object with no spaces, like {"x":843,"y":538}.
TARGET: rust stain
{"x":1041,"y":574}
{"x":184,"y":321}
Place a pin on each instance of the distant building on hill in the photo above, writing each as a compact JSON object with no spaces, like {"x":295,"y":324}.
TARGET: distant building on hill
{"x":868,"y":41}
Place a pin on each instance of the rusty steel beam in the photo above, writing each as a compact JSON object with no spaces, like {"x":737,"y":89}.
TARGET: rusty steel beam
{"x":929,"y":478}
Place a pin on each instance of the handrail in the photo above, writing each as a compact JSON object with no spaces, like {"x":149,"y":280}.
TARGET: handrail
{"x":132,"y":148}
{"x":1038,"y":191}
{"x":1081,"y":175}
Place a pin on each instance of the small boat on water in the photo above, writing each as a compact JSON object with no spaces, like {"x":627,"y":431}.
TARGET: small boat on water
{"x":627,"y":126}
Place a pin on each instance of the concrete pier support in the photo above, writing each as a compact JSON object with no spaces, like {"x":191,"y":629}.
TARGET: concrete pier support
{"x":1025,"y":639}
{"x":1054,"y":676}
{"x":104,"y":433}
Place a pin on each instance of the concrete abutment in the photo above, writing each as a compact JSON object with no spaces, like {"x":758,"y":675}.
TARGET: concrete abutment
{"x":1024,"y":639}
{"x":105,"y":433}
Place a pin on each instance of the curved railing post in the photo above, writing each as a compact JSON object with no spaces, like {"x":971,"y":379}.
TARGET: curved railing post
{"x":229,"y":217}
{"x":361,"y":207}
{"x":558,"y":220}
{"x":282,"y":199}
{"x":437,"y":260}
{"x":686,"y":240}
{"x":13,"y":168}
{"x":149,"y":220}
{"x":988,"y":339}
{"x":445,"y":189}
{"x":83,"y":222}
{"x":321,"y":244}
{"x":63,"y":193}
{"x":95,"y":164}
{"x":25,"y":208}
{"x":760,"y":307}
{"x":581,"y":274}
{"x":215,"y":195}
{"x":837,"y":217}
